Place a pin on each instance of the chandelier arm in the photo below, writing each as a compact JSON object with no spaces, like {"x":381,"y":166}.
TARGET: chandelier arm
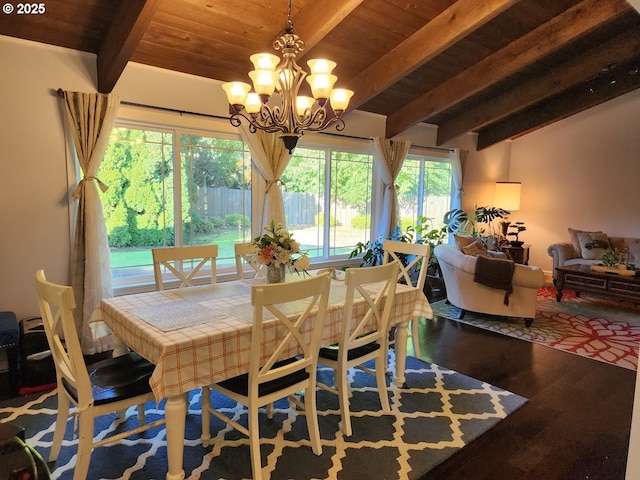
{"x":254,"y":126}
{"x":313,"y":120}
{"x":235,"y":120}
{"x":338,"y":122}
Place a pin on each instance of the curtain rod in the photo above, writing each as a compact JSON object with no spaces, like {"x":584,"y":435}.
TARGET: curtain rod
{"x":60,"y":93}
{"x":440,"y":149}
{"x":173,"y":110}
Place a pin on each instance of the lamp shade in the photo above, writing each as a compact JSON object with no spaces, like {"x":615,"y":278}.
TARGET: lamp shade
{"x":507,"y":195}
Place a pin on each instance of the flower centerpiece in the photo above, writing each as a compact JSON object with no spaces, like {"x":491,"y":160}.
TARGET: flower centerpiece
{"x":277,"y":249}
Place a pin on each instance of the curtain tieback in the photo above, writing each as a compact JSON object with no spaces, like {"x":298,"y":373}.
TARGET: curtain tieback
{"x":101,"y":184}
{"x":271,"y":182}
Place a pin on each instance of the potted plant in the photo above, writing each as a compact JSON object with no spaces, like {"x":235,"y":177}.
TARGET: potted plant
{"x":460,"y":222}
{"x":372,"y":251}
{"x":610,"y":257}
{"x":423,"y":232}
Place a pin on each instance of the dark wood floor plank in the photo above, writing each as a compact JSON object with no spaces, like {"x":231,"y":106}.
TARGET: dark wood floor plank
{"x":576,"y":424}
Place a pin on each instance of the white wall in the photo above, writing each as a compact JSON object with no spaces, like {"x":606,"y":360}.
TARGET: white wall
{"x":34,"y":188}
{"x":582,"y":172}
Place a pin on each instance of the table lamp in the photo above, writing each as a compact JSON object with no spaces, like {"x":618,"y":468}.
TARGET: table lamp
{"x":507,"y":197}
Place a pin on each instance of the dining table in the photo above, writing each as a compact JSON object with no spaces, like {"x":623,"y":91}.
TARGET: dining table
{"x":201,"y":335}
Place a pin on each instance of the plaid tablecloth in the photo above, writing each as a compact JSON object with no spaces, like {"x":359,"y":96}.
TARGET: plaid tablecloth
{"x":198,"y":336}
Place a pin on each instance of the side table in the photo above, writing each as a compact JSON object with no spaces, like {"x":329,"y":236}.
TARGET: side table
{"x":517,"y":254}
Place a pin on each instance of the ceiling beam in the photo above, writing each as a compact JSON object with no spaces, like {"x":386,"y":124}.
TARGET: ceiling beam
{"x":120,"y":42}
{"x":567,"y":27}
{"x":457,"y":21}
{"x":590,"y":63}
{"x":317,"y":19}
{"x":616,"y":82}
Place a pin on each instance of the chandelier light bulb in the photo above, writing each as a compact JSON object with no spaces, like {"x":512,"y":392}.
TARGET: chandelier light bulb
{"x":236,"y":92}
{"x":253,"y":103}
{"x":321,"y":85}
{"x":264,"y":81}
{"x":303,"y":104}
{"x":321,"y":65}
{"x":264,"y":61}
{"x":340,"y":99}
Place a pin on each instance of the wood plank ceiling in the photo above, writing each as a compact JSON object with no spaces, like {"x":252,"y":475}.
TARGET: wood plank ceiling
{"x":501,"y":68}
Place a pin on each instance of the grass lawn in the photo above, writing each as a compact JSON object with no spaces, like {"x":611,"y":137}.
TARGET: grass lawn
{"x":141,"y":256}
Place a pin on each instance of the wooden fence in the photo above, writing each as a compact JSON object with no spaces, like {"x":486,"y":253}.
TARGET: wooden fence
{"x":300,"y":208}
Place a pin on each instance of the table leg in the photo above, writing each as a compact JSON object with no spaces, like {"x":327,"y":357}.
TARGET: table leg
{"x":401,"y":352}
{"x":175,"y":413}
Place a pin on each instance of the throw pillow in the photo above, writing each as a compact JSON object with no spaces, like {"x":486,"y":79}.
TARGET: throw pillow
{"x":575,"y":241}
{"x":593,"y":245}
{"x":476,"y":249}
{"x":463,"y":241}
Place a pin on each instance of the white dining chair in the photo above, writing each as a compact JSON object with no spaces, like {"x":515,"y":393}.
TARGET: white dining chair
{"x":183,"y":264}
{"x":411,"y":257}
{"x":244,"y":253}
{"x":269,"y":377}
{"x":108,"y":386}
{"x":362,"y":338}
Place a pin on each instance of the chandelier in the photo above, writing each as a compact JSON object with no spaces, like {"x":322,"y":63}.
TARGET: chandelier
{"x":287,"y":112}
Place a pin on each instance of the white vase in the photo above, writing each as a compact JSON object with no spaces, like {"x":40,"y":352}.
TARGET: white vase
{"x":275,"y":273}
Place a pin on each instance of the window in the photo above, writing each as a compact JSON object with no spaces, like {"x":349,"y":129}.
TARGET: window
{"x":183,"y":185}
{"x":327,"y":200}
{"x":157,"y":197}
{"x":424,"y":189}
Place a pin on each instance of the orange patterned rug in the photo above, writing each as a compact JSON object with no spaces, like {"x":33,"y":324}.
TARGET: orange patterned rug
{"x":592,"y":327}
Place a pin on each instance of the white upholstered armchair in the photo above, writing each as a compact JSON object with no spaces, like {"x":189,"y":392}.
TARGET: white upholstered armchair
{"x":463,"y":292}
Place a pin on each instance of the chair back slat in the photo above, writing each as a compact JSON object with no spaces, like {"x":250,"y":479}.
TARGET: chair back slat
{"x":56,"y":304}
{"x":410,"y":256}
{"x":176,"y":259}
{"x":371,"y":325}
{"x":301,"y":330}
{"x":245,"y":254}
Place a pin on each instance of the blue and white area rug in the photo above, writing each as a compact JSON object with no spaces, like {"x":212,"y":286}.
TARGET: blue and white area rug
{"x":438,"y":413}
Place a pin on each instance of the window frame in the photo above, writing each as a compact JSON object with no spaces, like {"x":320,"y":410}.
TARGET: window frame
{"x":177,"y":123}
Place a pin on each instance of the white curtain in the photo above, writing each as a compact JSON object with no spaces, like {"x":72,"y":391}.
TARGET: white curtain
{"x":270,"y":158}
{"x":90,"y":117}
{"x":458,"y":161}
{"x":389,"y":156}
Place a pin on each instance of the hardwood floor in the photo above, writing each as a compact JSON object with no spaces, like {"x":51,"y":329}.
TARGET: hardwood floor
{"x":576,"y":424}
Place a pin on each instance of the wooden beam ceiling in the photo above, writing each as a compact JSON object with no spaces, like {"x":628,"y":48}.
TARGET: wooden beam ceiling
{"x":620,"y":80}
{"x":558,"y":32}
{"x":462,"y":65}
{"x":436,"y":36}
{"x":119,"y":44}
{"x":579,"y":69}
{"x":317,"y":19}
